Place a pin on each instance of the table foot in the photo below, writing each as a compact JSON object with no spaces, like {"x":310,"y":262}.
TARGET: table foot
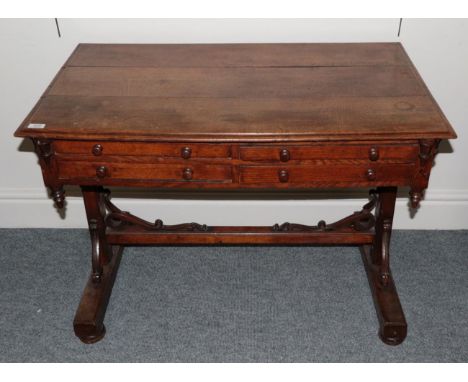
{"x":393,"y":327}
{"x":393,"y":334}
{"x":94,"y":334}
{"x":88,"y":324}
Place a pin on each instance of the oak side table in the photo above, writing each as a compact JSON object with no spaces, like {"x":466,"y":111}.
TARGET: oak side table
{"x":276,"y":117}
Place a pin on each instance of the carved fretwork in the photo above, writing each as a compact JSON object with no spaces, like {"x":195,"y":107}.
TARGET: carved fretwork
{"x":427,"y":152}
{"x":116,"y":218}
{"x":360,"y":221}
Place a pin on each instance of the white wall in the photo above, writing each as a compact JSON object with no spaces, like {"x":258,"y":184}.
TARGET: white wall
{"x":32,"y":53}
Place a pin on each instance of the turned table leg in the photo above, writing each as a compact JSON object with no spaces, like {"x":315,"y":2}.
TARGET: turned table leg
{"x":88,"y":324}
{"x":376,"y":258}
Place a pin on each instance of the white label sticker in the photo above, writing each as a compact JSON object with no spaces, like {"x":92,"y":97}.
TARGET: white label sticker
{"x":36,"y":125}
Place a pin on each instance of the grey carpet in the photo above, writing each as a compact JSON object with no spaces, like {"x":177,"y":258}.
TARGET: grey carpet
{"x":232,"y":304}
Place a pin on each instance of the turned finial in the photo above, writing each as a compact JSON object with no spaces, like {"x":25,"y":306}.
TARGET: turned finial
{"x":59,"y":197}
{"x":415,"y":198}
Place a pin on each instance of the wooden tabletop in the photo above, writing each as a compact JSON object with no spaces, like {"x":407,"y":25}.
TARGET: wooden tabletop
{"x":237,"y":92}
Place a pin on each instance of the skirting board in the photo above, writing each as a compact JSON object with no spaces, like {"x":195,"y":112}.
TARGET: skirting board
{"x":30,"y":208}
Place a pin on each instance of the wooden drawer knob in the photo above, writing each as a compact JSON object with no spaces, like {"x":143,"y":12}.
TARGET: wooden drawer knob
{"x":187,"y":174}
{"x":186,"y":152}
{"x":101,"y":172}
{"x":97,"y":149}
{"x":283,"y":176}
{"x":374,"y":153}
{"x":284,"y":155}
{"x":371,"y":175}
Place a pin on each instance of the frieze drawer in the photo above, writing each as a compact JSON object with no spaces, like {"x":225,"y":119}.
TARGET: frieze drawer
{"x":170,"y":150}
{"x":102,"y":171}
{"x":327,"y":174}
{"x":371,"y":152}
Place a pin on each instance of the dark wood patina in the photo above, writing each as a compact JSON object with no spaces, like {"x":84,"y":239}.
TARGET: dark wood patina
{"x":238,"y":117}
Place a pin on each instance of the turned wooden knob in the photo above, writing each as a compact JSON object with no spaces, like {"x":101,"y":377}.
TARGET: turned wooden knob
{"x":373,"y":153}
{"x":283,"y":176}
{"x":187,"y":174}
{"x":97,"y":149}
{"x":186,"y":152}
{"x":371,"y":175}
{"x":284,"y":155}
{"x":101,"y":172}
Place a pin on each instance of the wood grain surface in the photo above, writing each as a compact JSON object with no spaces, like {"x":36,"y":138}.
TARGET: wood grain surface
{"x":238,"y":92}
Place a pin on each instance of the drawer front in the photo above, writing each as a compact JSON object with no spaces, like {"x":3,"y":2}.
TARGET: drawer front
{"x":170,"y":150}
{"x":144,"y":171}
{"x":404,"y":153}
{"x":326,"y":174}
